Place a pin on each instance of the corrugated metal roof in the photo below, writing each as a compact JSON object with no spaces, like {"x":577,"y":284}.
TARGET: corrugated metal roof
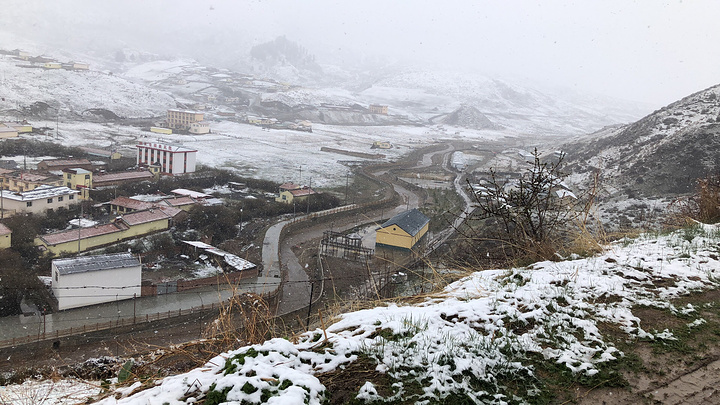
{"x":122,"y":176}
{"x":131,"y":203}
{"x":409,"y":221}
{"x":83,"y":233}
{"x":85,"y":264}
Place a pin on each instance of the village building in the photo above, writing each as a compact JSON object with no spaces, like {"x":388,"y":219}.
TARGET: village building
{"x":114,"y":179}
{"x":125,"y":227}
{"x":103,"y":278}
{"x":79,"y":179}
{"x":37,"y":201}
{"x":404,"y":230}
{"x":5,"y":237}
{"x":378,"y":109}
{"x":161,"y":130}
{"x":21,"y":180}
{"x":172,"y":159}
{"x":200,"y":128}
{"x":60,"y":164}
{"x":123,"y":205}
{"x":52,"y":65}
{"x":20,"y":54}
{"x":295,"y":195}
{"x":7,"y":131}
{"x":180,"y":119}
{"x":80,"y":65}
{"x":21,"y":127}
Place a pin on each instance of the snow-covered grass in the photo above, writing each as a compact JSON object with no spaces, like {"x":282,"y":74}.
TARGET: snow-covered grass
{"x":480,"y":339}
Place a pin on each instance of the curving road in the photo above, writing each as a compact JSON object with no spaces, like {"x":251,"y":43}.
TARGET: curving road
{"x":279,"y":259}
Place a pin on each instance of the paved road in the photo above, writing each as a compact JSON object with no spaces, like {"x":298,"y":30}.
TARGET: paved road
{"x":296,"y":285}
{"x":21,"y":326}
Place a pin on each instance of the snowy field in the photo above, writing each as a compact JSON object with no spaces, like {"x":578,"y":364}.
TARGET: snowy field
{"x":276,"y":155}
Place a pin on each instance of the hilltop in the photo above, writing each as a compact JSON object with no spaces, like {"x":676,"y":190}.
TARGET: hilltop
{"x":662,"y":154}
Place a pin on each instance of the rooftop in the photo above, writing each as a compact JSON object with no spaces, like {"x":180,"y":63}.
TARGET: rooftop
{"x":85,"y":264}
{"x":65,"y":162}
{"x":190,"y":193}
{"x":4,"y":230}
{"x":166,"y":147}
{"x":38,"y":193}
{"x":77,"y":170}
{"x":81,"y":233}
{"x":411,"y":221}
{"x":110,"y":177}
{"x":131,"y":203}
{"x":300,"y":192}
{"x":143,"y":217}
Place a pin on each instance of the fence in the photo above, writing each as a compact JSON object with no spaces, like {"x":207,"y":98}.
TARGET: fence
{"x":42,"y":336}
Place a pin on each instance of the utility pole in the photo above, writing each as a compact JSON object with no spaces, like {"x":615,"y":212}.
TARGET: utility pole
{"x":347,"y":179}
{"x":312,"y":289}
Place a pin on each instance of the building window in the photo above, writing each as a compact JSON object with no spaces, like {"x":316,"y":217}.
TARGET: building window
{"x":28,"y":204}
{"x":60,"y":199}
{"x":69,"y":184}
{"x":87,"y":177}
{"x":49,"y":200}
{"x":71,"y":197}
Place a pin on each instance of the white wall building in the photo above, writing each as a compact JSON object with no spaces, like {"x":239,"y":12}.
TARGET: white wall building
{"x":37,"y":201}
{"x":200,"y":128}
{"x":172,"y":159}
{"x":90,"y":280}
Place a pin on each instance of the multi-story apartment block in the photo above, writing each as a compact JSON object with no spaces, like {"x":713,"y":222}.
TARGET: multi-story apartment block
{"x":172,"y":159}
{"x":180,"y":119}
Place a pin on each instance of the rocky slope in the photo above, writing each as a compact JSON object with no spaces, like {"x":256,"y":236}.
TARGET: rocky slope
{"x":661,"y":154}
{"x":469,"y":117}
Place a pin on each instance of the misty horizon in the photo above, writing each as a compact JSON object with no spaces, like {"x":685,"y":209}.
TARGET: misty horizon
{"x":645,"y":52}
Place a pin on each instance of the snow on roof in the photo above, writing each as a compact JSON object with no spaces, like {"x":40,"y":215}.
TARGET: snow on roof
{"x":185,"y":111}
{"x":411,"y":221}
{"x":40,"y":192}
{"x":85,"y":264}
{"x":4,"y":230}
{"x":231,"y":259}
{"x":76,"y":170}
{"x":190,"y":193}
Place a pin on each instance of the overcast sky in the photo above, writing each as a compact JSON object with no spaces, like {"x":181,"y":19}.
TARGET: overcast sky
{"x":652,"y":51}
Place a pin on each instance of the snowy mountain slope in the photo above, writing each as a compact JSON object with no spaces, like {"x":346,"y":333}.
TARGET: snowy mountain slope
{"x":471,"y":340}
{"x":77,"y":91}
{"x":551,"y":112}
{"x":661,"y":154}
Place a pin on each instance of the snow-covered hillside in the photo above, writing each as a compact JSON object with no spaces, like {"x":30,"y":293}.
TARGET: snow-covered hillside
{"x":77,"y":91}
{"x":473,"y":338}
{"x":661,"y":154}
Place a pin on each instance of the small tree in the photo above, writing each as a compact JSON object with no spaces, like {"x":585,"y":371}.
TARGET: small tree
{"x":527,"y":215}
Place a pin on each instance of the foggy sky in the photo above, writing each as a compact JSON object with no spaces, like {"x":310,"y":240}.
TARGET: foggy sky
{"x":651,"y":51}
